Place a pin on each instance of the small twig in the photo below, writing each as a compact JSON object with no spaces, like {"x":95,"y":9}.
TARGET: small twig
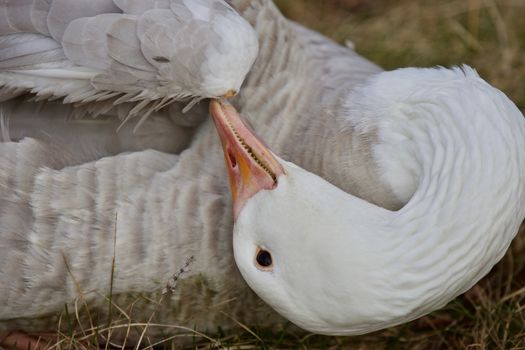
{"x":172,"y":282}
{"x":169,"y":289}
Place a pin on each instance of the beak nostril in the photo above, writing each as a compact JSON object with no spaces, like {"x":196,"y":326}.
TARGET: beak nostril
{"x":233,"y":160}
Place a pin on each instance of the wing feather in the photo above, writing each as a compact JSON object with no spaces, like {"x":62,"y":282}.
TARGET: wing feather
{"x":5,"y":25}
{"x":58,"y":124}
{"x":26,"y":49}
{"x":39,"y":13}
{"x":181,"y":41}
{"x":123,"y":44}
{"x":137,"y":7}
{"x":108,"y":42}
{"x":63,"y":12}
{"x":19,"y":15}
{"x":85,"y":39}
{"x":125,"y":79}
{"x":163,"y":54}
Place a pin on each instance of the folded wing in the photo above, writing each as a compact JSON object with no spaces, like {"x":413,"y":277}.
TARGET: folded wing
{"x":149,"y":53}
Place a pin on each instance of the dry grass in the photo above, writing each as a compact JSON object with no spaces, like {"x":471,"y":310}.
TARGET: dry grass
{"x":490,"y":36}
{"x":487,"y":34}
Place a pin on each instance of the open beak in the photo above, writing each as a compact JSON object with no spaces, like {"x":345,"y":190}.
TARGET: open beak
{"x":251,"y":165}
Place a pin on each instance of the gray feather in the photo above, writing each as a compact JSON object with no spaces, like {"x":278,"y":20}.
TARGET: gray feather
{"x":19,"y":15}
{"x":164,"y":36}
{"x":137,"y":7}
{"x":123,"y":44}
{"x":7,"y":93}
{"x":104,"y":57}
{"x":180,"y":11}
{"x":54,"y":123}
{"x":85,"y":39}
{"x":5,"y":26}
{"x":39,"y":13}
{"x":108,"y":42}
{"x":150,"y":18}
{"x":62,"y":12}
{"x":25,"y":49}
{"x":24,"y":16}
{"x":126,"y":79}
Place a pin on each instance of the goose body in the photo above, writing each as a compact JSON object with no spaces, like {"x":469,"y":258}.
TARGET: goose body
{"x":62,"y":211}
{"x":333,"y":263}
{"x":194,"y":219}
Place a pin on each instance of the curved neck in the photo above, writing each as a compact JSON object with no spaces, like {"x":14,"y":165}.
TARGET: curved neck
{"x":465,"y":181}
{"x":306,"y":77}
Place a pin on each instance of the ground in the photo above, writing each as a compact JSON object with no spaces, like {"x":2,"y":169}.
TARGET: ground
{"x":489,"y":35}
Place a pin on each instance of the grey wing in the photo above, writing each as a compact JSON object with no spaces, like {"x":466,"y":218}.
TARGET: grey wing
{"x":63,"y":227}
{"x":82,"y":138}
{"x":148,"y":53}
{"x":49,"y":210}
{"x":52,"y":162}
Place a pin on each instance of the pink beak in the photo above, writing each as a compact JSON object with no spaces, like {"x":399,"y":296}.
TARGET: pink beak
{"x":251,"y":165}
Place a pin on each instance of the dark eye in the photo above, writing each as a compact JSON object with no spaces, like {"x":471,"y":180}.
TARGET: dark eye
{"x":264,"y":259}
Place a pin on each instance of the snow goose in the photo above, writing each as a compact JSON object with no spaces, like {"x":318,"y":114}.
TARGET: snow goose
{"x":332,"y":263}
{"x":55,"y":209}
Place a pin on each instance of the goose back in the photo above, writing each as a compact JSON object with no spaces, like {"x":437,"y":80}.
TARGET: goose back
{"x":164,"y":208}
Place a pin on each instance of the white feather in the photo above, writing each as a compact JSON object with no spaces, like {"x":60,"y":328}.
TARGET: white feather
{"x":39,"y":13}
{"x":456,"y":146}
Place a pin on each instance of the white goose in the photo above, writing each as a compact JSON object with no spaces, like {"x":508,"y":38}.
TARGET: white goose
{"x":332,"y":263}
{"x":171,"y":207}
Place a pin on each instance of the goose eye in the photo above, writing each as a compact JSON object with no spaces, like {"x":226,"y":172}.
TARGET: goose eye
{"x":264,"y":259}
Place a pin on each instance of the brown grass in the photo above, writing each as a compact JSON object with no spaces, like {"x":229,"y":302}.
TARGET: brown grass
{"x":487,"y":34}
{"x":490,"y":36}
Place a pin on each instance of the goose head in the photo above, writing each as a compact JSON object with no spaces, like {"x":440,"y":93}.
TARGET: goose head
{"x":335,"y":264}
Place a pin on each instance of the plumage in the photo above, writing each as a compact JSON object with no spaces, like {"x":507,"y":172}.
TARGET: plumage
{"x":63,"y":12}
{"x":19,"y":15}
{"x":155,"y":54}
{"x":28,"y":50}
{"x":137,"y":7}
{"x":39,"y":12}
{"x":124,"y":46}
{"x":94,"y":138}
{"x":84,"y":42}
{"x":453,"y":149}
{"x":164,"y":208}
